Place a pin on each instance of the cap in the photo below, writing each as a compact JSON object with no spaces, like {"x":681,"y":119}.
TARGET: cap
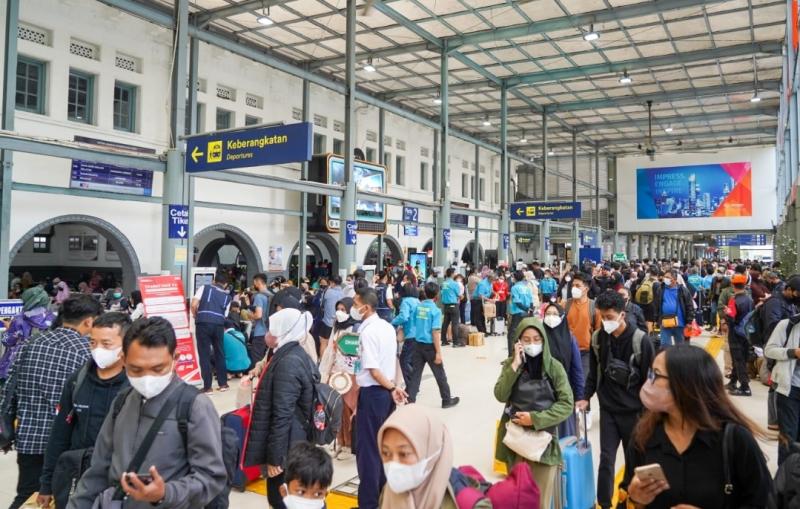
{"x":739,"y":279}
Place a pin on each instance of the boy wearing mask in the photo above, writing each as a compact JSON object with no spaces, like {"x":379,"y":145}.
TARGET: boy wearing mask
{"x":620,"y":359}
{"x":309,"y":474}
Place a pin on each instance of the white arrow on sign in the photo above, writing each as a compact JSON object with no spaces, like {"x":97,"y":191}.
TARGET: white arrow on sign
{"x":181,"y":232}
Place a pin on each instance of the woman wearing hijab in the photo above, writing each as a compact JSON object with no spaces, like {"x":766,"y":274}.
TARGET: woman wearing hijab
{"x":535,"y":390}
{"x":283,"y":400}
{"x":335,"y":363}
{"x":34,"y":319}
{"x":62,"y":292}
{"x":417,"y":455}
{"x":564,"y":348}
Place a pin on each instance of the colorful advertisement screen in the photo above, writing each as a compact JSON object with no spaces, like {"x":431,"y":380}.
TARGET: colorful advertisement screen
{"x":696,"y":191}
{"x":368,"y":177}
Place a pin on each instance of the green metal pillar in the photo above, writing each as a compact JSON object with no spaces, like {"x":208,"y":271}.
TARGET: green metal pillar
{"x":597,"y":196}
{"x":6,"y":156}
{"x":174,"y":185}
{"x":475,"y":251}
{"x":576,"y":250}
{"x":443,"y":222}
{"x":301,"y":246}
{"x":347,"y":254}
{"x":188,"y":180}
{"x":504,"y":239}
{"x":381,"y":132}
{"x":544,"y":226}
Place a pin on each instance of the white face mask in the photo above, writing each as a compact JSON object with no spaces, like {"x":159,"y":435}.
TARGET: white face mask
{"x":610,"y":326}
{"x":297,"y":502}
{"x":552,"y":321}
{"x":533,"y":349}
{"x":356,"y":314}
{"x":104,"y":357}
{"x":667,"y":281}
{"x":577,"y":293}
{"x":342,"y":316}
{"x":150,"y":386}
{"x":402,"y":478}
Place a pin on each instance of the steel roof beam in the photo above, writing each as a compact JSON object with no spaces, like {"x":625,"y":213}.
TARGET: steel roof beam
{"x":536,"y":27}
{"x":658,"y":97}
{"x":682,"y":119}
{"x":773,"y":48}
{"x":204,"y":17}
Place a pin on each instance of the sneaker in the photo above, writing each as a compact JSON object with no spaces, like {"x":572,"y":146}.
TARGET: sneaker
{"x":208,"y":392}
{"x":458,"y":345}
{"x":740,"y":392}
{"x":730,"y":386}
{"x":224,"y":388}
{"x":450,"y":403}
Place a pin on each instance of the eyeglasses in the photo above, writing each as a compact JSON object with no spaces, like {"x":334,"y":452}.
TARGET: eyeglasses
{"x":653,"y":376}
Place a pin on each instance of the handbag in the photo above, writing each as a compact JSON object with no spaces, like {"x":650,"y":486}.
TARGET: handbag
{"x":527,"y":443}
{"x":68,"y":471}
{"x":669,"y":322}
{"x":489,"y":309}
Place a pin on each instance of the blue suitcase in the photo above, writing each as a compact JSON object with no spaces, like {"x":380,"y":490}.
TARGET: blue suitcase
{"x":578,"y":474}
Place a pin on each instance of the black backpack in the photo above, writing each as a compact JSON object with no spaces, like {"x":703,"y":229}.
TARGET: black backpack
{"x":786,"y":488}
{"x":231,"y":448}
{"x":326,"y":415}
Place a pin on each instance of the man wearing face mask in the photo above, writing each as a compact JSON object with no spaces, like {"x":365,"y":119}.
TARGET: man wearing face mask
{"x":37,"y":378}
{"x":85,"y":401}
{"x":674,"y":308}
{"x":183,"y":467}
{"x":378,"y":392}
{"x":582,"y":317}
{"x":620,"y":359}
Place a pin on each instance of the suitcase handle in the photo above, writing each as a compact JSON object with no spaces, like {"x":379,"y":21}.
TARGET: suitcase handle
{"x":585,"y":437}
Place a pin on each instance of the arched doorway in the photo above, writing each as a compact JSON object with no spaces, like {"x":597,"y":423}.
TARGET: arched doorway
{"x":75,"y":248}
{"x":392,"y":252}
{"x":320,"y":247}
{"x":466,"y":255}
{"x":227,"y":247}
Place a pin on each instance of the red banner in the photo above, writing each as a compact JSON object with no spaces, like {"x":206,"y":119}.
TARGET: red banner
{"x":163,"y":296}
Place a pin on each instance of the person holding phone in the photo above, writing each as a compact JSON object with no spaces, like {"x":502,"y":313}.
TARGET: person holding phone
{"x":677,"y":454}
{"x":535,"y":389}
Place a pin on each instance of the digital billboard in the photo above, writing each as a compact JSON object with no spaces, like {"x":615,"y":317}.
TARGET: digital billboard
{"x":724,"y":190}
{"x":368,"y":177}
{"x":701,"y":190}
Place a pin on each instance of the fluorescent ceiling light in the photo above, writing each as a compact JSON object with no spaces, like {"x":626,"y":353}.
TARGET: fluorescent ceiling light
{"x":551,"y":153}
{"x":625,"y":79}
{"x":591,"y":35}
{"x":668,"y":129}
{"x":756,"y":98}
{"x":264,"y":20}
{"x":437,"y":100}
{"x":487,"y":122}
{"x":369,"y":67}
{"x":523,"y":140}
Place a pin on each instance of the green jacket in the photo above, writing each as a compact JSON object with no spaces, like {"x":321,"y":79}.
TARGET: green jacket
{"x":555,"y":415}
{"x":724,"y":296}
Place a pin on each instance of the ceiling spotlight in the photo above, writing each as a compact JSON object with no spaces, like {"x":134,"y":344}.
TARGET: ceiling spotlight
{"x":523,"y":139}
{"x":756,"y":98}
{"x":625,"y":79}
{"x":551,"y":153}
{"x":668,"y":129}
{"x":368,"y":66}
{"x":437,"y":100}
{"x":591,"y":35}
{"x":487,"y":122}
{"x":264,"y":19}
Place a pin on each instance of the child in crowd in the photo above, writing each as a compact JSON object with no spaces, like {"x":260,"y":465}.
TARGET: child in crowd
{"x":309,"y":474}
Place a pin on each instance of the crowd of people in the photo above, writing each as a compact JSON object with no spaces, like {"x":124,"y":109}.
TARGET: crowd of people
{"x":102,"y":419}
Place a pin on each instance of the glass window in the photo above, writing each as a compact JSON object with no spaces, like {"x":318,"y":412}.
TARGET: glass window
{"x":464,"y":185}
{"x":224,"y":119}
{"x":30,"y":85}
{"x":472,"y":187}
{"x":90,"y":243}
{"x":387,"y":160}
{"x":497,"y":192}
{"x":80,"y":97}
{"x":124,"y":107}
{"x":370,"y":155}
{"x":75,"y":243}
{"x":187,"y":128}
{"x":423,"y":176}
{"x":41,"y":244}
{"x":338,"y":146}
{"x":400,"y":171}
{"x":482,"y":189}
{"x":320,"y":143}
{"x":251,"y":120}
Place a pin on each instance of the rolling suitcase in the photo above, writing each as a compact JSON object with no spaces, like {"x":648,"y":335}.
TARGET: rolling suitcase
{"x":578,"y":474}
{"x":239,"y":421}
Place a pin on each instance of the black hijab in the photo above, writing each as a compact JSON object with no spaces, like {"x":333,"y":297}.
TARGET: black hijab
{"x":347,"y":302}
{"x":560,"y":338}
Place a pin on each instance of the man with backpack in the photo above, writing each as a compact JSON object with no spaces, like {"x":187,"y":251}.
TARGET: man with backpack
{"x":620,"y":359}
{"x":160,"y":445}
{"x":85,"y":401}
{"x":737,"y":309}
{"x":644,"y":295}
{"x":674,"y":308}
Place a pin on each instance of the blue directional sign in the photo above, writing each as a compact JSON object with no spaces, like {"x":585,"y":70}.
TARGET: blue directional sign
{"x":741,"y":240}
{"x":352,"y":232}
{"x":588,"y":238}
{"x":410,"y":230}
{"x":411,"y":214}
{"x":506,"y":240}
{"x":446,"y":237}
{"x":249,"y":147}
{"x":521,"y":211}
{"x":178,"y":221}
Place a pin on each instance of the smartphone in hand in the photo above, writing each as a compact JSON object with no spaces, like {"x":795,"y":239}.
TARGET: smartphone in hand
{"x":652,"y":472}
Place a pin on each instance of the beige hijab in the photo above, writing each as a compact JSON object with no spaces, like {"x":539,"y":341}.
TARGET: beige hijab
{"x":428,"y":435}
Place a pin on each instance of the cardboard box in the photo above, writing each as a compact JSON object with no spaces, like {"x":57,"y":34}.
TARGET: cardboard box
{"x":476,"y":339}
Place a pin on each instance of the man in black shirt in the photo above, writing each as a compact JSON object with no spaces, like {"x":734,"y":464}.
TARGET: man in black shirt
{"x":739,"y":345}
{"x":632,"y":310}
{"x":620,"y":357}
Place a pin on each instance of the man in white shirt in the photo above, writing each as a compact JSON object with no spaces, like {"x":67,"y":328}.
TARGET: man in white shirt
{"x":378,"y":394}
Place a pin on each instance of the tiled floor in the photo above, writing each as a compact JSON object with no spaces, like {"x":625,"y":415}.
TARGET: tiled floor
{"x":472,"y":373}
